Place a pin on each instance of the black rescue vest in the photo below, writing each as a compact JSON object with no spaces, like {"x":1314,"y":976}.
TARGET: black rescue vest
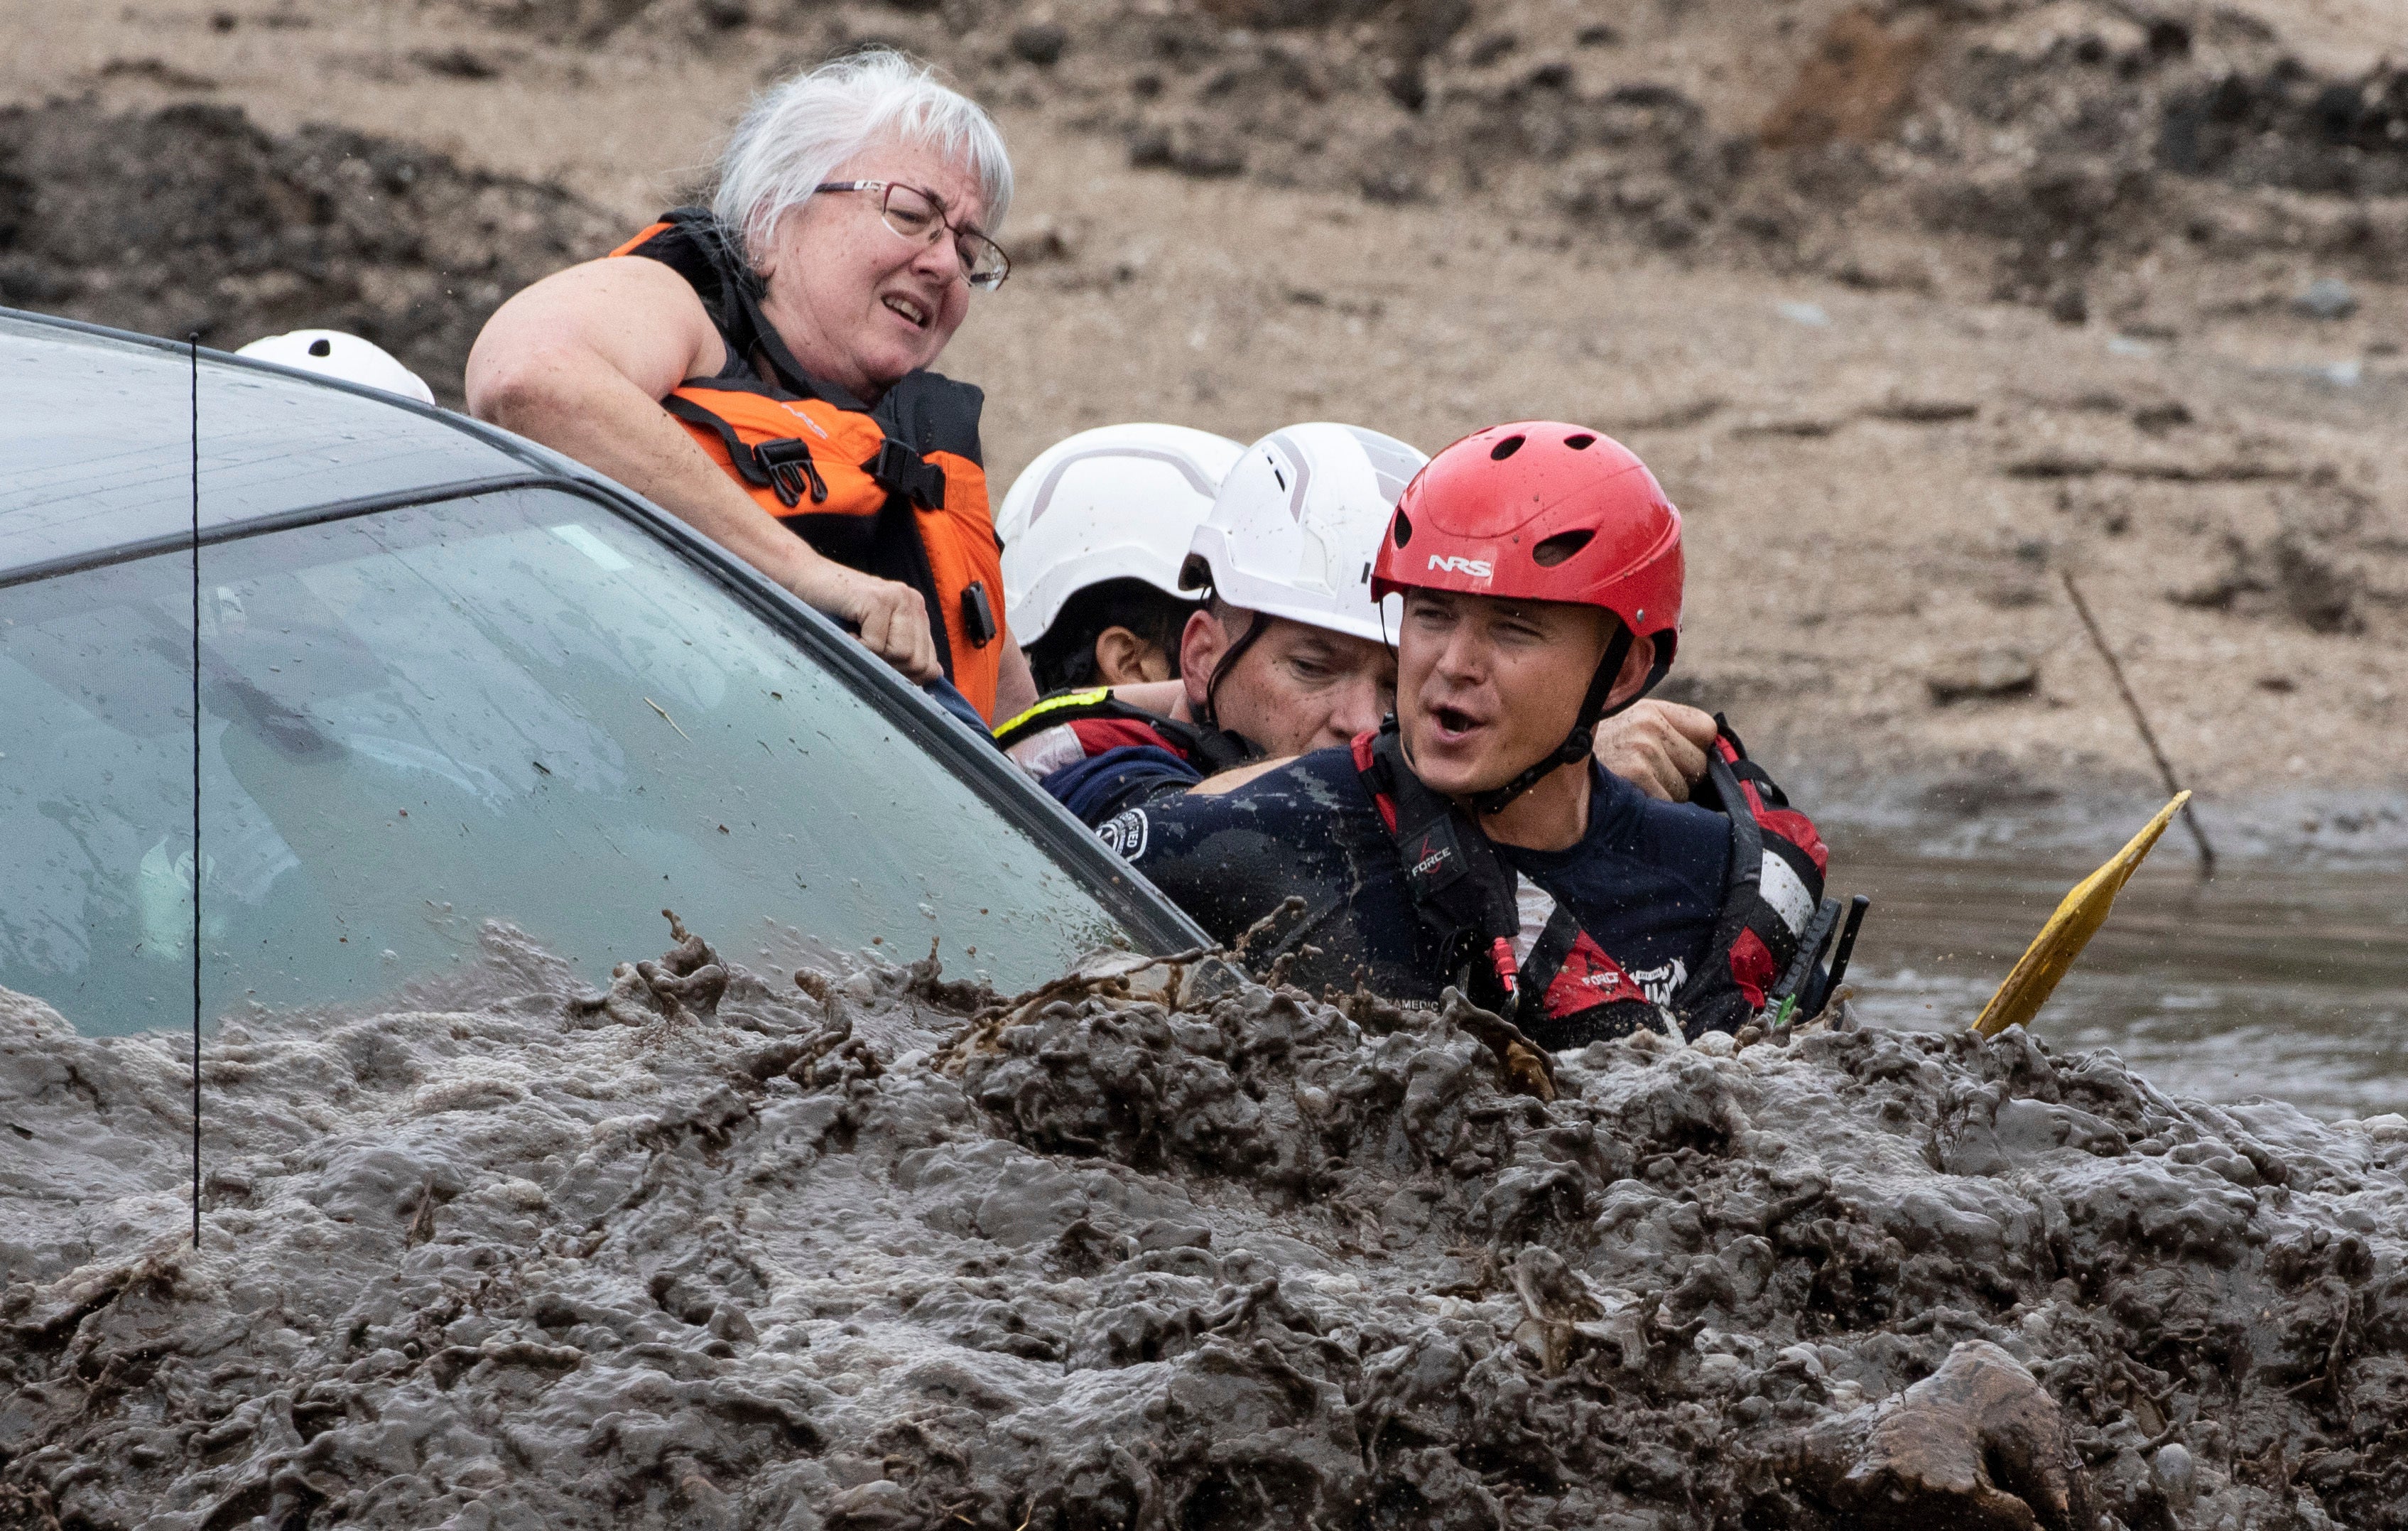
{"x":1767,"y":935}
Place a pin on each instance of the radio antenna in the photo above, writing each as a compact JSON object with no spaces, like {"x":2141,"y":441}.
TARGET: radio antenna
{"x":192,"y":345}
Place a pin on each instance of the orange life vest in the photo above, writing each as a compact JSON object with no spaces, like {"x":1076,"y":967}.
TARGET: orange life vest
{"x":897,"y":490}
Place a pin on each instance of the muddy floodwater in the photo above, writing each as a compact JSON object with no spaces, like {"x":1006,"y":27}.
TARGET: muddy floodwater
{"x":1167,"y":1250}
{"x":2279,"y":977}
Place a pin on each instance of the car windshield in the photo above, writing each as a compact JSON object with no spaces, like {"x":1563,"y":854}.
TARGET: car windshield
{"x":516,"y":708}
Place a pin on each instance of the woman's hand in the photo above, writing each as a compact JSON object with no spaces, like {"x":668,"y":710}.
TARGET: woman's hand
{"x":579,"y":362}
{"x":892,"y":617}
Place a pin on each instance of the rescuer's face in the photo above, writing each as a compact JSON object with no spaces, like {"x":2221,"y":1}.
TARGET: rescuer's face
{"x":859,"y":304}
{"x":1294,"y":689}
{"x":1486,"y":688}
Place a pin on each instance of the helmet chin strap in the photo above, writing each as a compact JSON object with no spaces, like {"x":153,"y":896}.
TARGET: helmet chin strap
{"x":1255,"y":622}
{"x":1583,"y":738}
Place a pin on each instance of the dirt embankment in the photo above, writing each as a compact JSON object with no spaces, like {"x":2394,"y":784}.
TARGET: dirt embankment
{"x":193,"y":217}
{"x":2037,"y":150}
{"x":885,"y":1252}
{"x":2056,"y":153}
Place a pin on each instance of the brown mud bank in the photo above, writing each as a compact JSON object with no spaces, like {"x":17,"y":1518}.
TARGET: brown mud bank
{"x":2149,"y":163}
{"x":2040,"y":149}
{"x":884,"y":1251}
{"x":194,"y":219}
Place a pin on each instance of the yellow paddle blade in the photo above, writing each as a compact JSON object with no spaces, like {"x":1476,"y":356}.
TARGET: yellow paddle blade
{"x":2068,"y":930}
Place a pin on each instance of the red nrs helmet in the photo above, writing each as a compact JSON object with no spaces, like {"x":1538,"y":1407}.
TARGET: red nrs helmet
{"x":1540,"y":511}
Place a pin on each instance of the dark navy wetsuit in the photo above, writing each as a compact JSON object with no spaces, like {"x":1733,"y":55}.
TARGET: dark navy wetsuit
{"x":1645,"y":882}
{"x":1121,"y":777}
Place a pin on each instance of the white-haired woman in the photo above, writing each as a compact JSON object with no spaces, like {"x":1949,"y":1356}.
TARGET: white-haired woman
{"x":758,"y":366}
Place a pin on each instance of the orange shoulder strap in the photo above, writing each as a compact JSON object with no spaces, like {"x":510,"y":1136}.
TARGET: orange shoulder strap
{"x":649,"y":234}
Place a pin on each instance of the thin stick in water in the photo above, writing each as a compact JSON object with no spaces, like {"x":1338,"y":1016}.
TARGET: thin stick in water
{"x":193,"y":344}
{"x":2139,"y":719}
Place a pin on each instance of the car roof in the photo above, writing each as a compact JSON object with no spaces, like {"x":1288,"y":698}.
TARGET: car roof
{"x":97,"y":426}
{"x":96,"y":431}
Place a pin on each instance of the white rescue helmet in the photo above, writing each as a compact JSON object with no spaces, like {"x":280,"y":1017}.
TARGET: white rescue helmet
{"x":346,"y":358}
{"x":1298,"y":523}
{"x":1119,"y":502}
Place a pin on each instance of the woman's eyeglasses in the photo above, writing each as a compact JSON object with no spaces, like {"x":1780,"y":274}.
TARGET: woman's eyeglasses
{"x":918,"y":217}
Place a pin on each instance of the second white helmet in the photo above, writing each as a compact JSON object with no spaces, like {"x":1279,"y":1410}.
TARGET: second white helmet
{"x":1119,"y":502}
{"x":1298,"y":522}
{"x":347,"y":358}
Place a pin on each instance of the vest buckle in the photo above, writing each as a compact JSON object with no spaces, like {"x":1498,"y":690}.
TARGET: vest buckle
{"x":788,"y":466}
{"x":903,"y":472}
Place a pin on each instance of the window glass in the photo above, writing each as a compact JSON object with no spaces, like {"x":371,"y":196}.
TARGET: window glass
{"x":515,"y":707}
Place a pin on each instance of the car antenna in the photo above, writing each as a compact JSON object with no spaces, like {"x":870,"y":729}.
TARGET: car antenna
{"x":192,"y":346}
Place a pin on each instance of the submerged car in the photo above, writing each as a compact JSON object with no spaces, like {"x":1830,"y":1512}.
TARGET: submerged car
{"x":446,"y":678}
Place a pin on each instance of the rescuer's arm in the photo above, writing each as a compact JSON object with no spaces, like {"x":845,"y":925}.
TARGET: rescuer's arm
{"x":1166,"y":698}
{"x":1657,"y":747}
{"x":581,"y":361}
{"x":1237,"y":776}
{"x":1015,"y":688}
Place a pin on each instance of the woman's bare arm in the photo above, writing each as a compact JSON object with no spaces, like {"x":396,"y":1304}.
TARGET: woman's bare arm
{"x":1015,"y":689}
{"x":581,"y":361}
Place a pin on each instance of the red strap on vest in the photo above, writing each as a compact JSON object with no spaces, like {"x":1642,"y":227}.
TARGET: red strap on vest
{"x":1386,"y":804}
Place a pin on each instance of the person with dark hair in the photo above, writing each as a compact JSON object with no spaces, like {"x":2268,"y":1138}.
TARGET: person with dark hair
{"x":1120,"y":633}
{"x":1095,"y":532}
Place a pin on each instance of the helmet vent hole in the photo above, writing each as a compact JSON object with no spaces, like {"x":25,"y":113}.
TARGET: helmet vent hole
{"x":1580,"y":442}
{"x":1505,"y":449}
{"x":1558,"y":548}
{"x":321,"y":347}
{"x":1404,"y":530}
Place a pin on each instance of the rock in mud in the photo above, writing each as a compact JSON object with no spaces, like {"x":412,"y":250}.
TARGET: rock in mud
{"x":1994,"y":670}
{"x":874,"y":1248}
{"x":2327,"y":297}
{"x":1977,"y":1444}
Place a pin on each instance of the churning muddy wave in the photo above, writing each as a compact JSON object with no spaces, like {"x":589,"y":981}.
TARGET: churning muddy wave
{"x":721,"y":1250}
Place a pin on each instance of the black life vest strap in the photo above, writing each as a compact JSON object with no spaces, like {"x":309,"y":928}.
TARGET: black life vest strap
{"x":1743,"y":874}
{"x":1547,"y":957}
{"x":1748,"y":836}
{"x":1461,"y":886}
{"x":1709,"y":994}
{"x":783,"y":467}
{"x":1214,"y":750}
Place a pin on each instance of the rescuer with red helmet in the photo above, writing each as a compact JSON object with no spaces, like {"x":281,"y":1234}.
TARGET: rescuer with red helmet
{"x":1472,"y":839}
